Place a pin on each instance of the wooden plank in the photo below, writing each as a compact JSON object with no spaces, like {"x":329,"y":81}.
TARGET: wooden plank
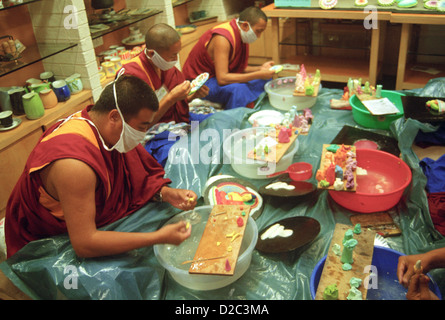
{"x":222,"y":237}
{"x":324,"y":161}
{"x":332,"y":270}
{"x":276,"y":152}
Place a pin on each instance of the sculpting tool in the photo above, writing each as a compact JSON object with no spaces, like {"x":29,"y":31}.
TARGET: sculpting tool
{"x":205,"y":259}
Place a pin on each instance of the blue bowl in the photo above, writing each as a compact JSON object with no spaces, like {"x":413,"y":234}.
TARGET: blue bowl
{"x":389,"y":288}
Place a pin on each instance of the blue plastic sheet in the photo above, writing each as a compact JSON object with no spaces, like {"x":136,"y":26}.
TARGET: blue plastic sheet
{"x":40,"y":268}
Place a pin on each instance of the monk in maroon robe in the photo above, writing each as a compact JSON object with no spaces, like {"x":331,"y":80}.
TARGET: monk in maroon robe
{"x":156,"y":66}
{"x":89,"y":171}
{"x":223,"y":52}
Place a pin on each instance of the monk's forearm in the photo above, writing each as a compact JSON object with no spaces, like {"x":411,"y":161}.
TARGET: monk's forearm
{"x":230,"y":78}
{"x":105,"y":243}
{"x":434,"y":259}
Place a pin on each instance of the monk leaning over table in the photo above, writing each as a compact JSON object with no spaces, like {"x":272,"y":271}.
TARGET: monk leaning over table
{"x":90,"y":170}
{"x":223,"y":52}
{"x":156,"y":66}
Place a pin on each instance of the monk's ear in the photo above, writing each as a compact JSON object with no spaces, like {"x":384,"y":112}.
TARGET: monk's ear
{"x":114,"y":116}
{"x":150,"y":53}
{"x":244,"y":25}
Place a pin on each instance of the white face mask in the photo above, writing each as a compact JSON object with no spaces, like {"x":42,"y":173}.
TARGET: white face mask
{"x":160,"y":62}
{"x":130,"y":137}
{"x":247,"y":36}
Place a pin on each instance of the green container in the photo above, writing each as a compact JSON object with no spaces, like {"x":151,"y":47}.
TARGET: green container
{"x":364,"y":118}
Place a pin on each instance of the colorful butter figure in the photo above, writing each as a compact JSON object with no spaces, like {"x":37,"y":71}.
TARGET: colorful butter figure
{"x":227,"y":266}
{"x":348,"y":248}
{"x":330,"y":292}
{"x":354,"y":294}
{"x":358,"y":228}
{"x":338,"y":172}
{"x":355,"y":282}
{"x":348,"y":236}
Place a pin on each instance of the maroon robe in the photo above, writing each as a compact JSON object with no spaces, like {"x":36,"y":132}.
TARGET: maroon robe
{"x":199,"y":60}
{"x":126,"y":181}
{"x":140,"y":67}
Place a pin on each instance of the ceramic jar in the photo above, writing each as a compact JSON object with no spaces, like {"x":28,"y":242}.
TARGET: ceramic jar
{"x":74,"y":83}
{"x":15,"y":97}
{"x":61,"y":90}
{"x":33,"y":105}
{"x":108,"y":66}
{"x":116,"y":61}
{"x":49,"y":98}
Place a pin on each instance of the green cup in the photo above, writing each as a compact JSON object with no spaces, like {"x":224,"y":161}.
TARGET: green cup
{"x":33,"y":105}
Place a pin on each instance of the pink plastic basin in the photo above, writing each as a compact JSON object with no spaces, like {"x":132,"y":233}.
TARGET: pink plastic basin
{"x":381,"y":188}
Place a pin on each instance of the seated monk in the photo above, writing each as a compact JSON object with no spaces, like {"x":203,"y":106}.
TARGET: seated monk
{"x":90,"y":170}
{"x":156,"y":66}
{"x":223,"y":52}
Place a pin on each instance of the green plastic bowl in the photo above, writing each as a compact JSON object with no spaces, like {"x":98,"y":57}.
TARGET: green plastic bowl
{"x":364,"y":118}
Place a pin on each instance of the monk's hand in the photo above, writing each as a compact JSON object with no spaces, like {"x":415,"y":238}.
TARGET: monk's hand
{"x":418,"y":288}
{"x":265,"y":74}
{"x":174,"y":233}
{"x":405,"y":268}
{"x":267,"y":65}
{"x":180,"y":92}
{"x":200,"y":93}
{"x":180,"y":198}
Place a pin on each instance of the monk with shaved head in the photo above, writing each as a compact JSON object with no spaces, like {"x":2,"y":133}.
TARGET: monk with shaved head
{"x":156,"y":65}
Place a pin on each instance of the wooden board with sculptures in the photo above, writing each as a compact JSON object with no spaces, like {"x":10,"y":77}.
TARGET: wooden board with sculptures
{"x":219,"y":247}
{"x":275,"y":149}
{"x":333,"y":272}
{"x":343,"y":156}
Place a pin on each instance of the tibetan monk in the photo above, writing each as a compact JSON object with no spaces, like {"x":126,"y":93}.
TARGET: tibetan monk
{"x":90,"y":170}
{"x":223,"y":52}
{"x":156,"y":66}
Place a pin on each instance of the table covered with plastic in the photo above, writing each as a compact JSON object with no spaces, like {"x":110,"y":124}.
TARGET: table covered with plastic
{"x":49,"y":268}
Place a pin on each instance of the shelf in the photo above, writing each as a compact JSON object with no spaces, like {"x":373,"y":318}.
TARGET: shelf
{"x":290,"y":42}
{"x":332,"y":69}
{"x":418,"y":79}
{"x":122,"y":24}
{"x":7,"y":138}
{"x":33,"y":54}
{"x":180,"y":2}
{"x":6,"y":6}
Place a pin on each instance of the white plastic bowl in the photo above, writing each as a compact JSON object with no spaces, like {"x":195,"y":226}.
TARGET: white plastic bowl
{"x":280,"y":92}
{"x":238,"y":144}
{"x":171,"y":257}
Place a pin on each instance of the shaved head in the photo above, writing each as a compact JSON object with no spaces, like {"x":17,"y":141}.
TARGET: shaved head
{"x":161,"y":37}
{"x":252,"y":15}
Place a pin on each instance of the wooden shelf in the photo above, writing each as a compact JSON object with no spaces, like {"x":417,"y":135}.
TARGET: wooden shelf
{"x":51,"y":115}
{"x":418,"y":79}
{"x":332,"y":69}
{"x":407,"y":78}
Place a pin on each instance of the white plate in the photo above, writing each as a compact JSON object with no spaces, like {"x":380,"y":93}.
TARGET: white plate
{"x":277,"y":68}
{"x":265,"y":118}
{"x":15,"y":123}
{"x":198,"y":82}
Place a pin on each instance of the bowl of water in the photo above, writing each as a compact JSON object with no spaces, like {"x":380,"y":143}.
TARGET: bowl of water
{"x":386,"y":285}
{"x":237,"y":146}
{"x":281,"y":95}
{"x":381,"y":188}
{"x":171,"y":257}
